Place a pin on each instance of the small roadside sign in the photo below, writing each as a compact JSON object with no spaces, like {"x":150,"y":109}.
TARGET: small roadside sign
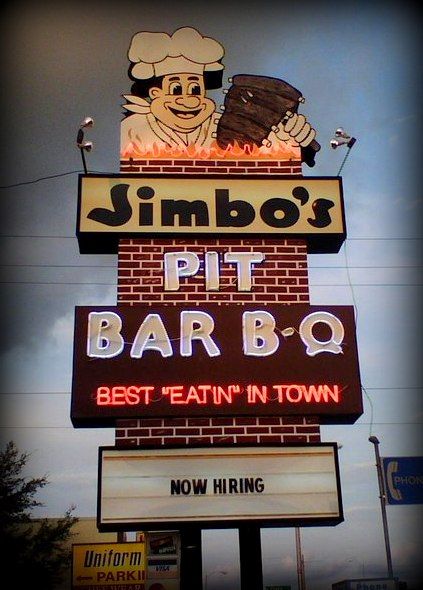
{"x":103,"y":565}
{"x":403,"y":479}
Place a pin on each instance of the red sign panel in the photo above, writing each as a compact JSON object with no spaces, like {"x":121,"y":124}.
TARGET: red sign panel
{"x":151,"y":361}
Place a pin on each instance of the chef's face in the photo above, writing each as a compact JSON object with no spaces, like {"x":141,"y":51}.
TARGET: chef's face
{"x":181,"y":102}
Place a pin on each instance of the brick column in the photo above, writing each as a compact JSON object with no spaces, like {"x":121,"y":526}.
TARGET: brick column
{"x":281,"y":278}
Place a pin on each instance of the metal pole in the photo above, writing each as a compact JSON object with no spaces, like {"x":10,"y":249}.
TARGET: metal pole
{"x":300,"y":561}
{"x":84,"y":163}
{"x":191,"y":557}
{"x":382,"y":495}
{"x":250,"y":557}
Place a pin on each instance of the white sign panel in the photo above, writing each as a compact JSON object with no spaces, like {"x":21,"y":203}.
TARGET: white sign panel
{"x":293,"y":484}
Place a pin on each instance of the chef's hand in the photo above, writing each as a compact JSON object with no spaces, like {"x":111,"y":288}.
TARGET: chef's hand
{"x":295,"y":127}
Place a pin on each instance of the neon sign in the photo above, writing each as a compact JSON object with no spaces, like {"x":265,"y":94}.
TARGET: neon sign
{"x":187,"y":264}
{"x":216,"y":395}
{"x":215,"y":360}
{"x":259,"y":337}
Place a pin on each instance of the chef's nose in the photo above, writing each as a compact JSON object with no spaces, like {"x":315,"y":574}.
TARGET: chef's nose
{"x":188,"y":101}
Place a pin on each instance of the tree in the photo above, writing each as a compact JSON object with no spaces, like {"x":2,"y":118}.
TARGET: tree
{"x":35,"y":551}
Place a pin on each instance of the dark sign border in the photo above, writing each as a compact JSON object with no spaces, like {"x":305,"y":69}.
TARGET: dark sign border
{"x":108,"y":242}
{"x":236,"y":368}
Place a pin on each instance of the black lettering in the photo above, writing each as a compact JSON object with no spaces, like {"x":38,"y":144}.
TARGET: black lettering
{"x":135,"y":558}
{"x":322,"y":216}
{"x":145,"y":211}
{"x":121,"y":212}
{"x":259,"y":485}
{"x":199,"y":486}
{"x":88,"y":559}
{"x":185,"y":486}
{"x":233,"y":485}
{"x":301,"y":193}
{"x":219,"y":486}
{"x":145,"y":214}
{"x":175,"y":487}
{"x":290,"y":211}
{"x":249,"y":484}
{"x":185,"y":210}
{"x":232,"y":213}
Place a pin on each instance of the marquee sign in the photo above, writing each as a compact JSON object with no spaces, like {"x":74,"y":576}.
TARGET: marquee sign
{"x":112,"y":207}
{"x":288,"y":486}
{"x":132,"y":361}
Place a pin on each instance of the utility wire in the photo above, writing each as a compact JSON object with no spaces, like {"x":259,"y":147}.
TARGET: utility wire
{"x":399,"y":388}
{"x":31,"y":265}
{"x":45,"y":427}
{"x":23,"y":183}
{"x":108,"y":284}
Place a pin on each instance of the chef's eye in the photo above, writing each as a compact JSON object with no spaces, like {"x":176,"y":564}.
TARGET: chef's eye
{"x":175,"y":88}
{"x":194,"y":89}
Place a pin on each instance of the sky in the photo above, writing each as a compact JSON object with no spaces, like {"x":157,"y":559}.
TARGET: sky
{"x":357,"y":66}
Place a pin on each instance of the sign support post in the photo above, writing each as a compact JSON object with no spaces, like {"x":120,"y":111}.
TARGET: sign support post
{"x":300,"y":560}
{"x":375,"y":441}
{"x":250,"y":557}
{"x":191,"y":557}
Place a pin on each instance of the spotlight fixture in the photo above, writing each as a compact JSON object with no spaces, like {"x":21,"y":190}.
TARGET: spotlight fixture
{"x":340,"y":132}
{"x":342,"y":138}
{"x":87,"y":122}
{"x":84,"y":146}
{"x":334,"y":143}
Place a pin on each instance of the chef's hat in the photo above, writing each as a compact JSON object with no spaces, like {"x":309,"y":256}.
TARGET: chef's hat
{"x":186,"y":51}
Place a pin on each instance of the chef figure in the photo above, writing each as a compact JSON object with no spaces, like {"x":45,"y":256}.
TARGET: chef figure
{"x":168,"y":106}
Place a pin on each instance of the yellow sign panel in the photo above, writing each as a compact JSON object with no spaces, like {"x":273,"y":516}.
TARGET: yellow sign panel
{"x":103,"y":565}
{"x":134,"y":206}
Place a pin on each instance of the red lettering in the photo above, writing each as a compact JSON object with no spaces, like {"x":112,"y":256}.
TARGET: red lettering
{"x":201,"y":394}
{"x":122,"y":395}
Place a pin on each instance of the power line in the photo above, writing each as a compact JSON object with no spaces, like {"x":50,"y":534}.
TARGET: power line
{"x":342,"y":267}
{"x":397,"y":388}
{"x":25,"y":182}
{"x":363,"y":238}
{"x":44,"y":427}
{"x":108,"y":284}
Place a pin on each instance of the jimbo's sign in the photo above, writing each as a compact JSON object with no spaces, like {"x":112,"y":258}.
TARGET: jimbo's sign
{"x":114,"y":207}
{"x":170,"y":360}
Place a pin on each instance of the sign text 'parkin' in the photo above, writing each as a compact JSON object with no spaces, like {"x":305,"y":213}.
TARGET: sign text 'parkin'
{"x":113,"y":206}
{"x":96,"y":566}
{"x":166,"y":360}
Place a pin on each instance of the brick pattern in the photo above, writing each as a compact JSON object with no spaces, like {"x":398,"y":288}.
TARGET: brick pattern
{"x":281,"y":278}
{"x":178,"y":166}
{"x":216,"y":431}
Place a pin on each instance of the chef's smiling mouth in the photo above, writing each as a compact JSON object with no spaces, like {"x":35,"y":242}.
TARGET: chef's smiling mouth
{"x":185,"y":114}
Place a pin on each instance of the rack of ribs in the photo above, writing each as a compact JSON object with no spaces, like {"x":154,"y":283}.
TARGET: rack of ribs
{"x":253,"y":106}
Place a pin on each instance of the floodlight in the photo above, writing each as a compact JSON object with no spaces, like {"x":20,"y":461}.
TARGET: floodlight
{"x":348,"y":141}
{"x":87,"y":122}
{"x":84,"y":146}
{"x":340,"y":132}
